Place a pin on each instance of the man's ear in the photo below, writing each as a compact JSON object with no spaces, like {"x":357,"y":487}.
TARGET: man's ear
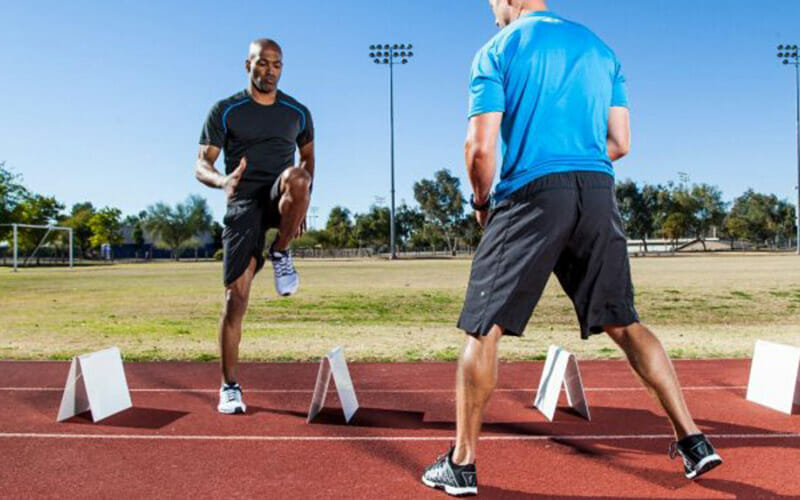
{"x":247,"y":65}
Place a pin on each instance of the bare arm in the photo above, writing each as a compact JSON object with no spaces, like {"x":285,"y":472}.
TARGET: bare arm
{"x":206,"y":173}
{"x":307,"y":158}
{"x":619,"y":132}
{"x":480,"y":154}
{"x":204,"y":169}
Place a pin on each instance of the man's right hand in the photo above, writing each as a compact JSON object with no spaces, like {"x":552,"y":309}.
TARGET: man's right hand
{"x":231,"y":182}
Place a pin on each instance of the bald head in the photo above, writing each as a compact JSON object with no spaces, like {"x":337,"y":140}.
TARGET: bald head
{"x":508,"y":11}
{"x":258,"y":46}
{"x":264,"y":64}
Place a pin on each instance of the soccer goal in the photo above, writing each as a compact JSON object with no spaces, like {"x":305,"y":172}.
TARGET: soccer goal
{"x":49,"y":230}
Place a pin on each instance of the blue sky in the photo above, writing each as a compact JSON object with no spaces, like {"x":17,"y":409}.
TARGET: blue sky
{"x":104,"y":101}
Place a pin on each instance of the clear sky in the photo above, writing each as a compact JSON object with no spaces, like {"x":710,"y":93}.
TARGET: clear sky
{"x":104,"y":101}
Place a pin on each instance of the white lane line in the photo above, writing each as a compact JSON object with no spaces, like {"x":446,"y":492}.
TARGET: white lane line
{"x":158,"y":437}
{"x":381,"y":391}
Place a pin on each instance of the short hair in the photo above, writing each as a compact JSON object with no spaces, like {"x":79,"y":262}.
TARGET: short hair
{"x":262,"y":43}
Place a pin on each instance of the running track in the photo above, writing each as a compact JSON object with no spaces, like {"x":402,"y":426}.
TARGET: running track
{"x":174,"y":444}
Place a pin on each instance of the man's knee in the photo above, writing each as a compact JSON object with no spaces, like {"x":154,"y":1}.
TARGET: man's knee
{"x":621,"y":333}
{"x":296,"y":180}
{"x":479,"y":359}
{"x":235,"y":304}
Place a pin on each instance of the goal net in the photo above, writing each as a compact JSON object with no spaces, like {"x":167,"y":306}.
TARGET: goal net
{"x":31,"y":244}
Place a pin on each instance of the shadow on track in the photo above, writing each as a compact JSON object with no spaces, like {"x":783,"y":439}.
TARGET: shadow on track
{"x":135,"y":418}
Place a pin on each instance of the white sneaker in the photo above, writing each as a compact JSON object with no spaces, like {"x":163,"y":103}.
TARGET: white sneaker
{"x":230,"y":399}
{"x":286,"y":279}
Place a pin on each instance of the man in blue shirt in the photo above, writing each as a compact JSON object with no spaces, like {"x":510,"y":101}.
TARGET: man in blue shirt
{"x":556,"y":96}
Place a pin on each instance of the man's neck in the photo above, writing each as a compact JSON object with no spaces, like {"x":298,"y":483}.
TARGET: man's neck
{"x":529,"y":7}
{"x":265,"y":98}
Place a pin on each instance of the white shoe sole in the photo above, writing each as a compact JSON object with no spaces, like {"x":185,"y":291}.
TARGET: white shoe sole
{"x":451,"y":490}
{"x":238,"y":410}
{"x":290,"y":291}
{"x":705,"y":465}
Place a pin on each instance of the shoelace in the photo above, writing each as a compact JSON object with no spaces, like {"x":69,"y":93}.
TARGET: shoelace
{"x":283,"y":265}
{"x":438,"y":468}
{"x":438,"y":471}
{"x":232,"y":393}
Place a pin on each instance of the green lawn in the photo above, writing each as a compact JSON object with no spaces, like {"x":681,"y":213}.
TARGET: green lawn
{"x":704,"y":306}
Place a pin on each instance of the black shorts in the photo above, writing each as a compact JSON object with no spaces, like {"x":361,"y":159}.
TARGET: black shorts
{"x":246,"y":223}
{"x":568,"y":223}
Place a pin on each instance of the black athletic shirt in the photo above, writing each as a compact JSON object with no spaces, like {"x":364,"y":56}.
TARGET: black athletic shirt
{"x":266,"y":135}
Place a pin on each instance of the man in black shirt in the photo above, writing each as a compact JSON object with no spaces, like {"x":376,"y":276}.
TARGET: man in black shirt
{"x":259,"y":130}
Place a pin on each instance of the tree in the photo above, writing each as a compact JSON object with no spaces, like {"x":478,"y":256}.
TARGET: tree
{"x":339,"y":228}
{"x":786,"y":221}
{"x":709,"y":210}
{"x":106,"y":226}
{"x":372,"y":228}
{"x":442,"y":203}
{"x":175,"y":227}
{"x":470,"y":231}
{"x":78,"y":220}
{"x":12,"y":194}
{"x":312,"y":239}
{"x":636,"y":208}
{"x":675,"y":226}
{"x":409,"y":221}
{"x":681,"y":221}
{"x":758,"y":218}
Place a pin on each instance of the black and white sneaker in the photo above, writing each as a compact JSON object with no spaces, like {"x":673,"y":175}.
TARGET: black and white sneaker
{"x":230,"y":399}
{"x":455,"y":480}
{"x":698,"y":455}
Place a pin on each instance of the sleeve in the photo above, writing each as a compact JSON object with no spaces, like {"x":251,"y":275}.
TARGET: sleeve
{"x":213,"y":132}
{"x":619,"y":94}
{"x":486,"y":92}
{"x":307,"y":134}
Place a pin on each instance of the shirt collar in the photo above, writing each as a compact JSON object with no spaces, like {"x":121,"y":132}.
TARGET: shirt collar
{"x":542,"y":13}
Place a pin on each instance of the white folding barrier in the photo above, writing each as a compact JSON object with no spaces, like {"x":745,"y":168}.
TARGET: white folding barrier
{"x":334,"y":364}
{"x":96,"y":382}
{"x":775,"y":376}
{"x":560,"y":368}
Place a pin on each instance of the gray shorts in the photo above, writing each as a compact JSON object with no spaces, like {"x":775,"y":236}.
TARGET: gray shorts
{"x":567,"y":223}
{"x":246,"y":223}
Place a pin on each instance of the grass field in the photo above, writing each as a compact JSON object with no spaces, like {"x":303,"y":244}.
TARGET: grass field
{"x":701,"y":307}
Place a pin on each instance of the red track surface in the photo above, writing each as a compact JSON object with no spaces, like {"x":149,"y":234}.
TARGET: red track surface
{"x":174,"y":444}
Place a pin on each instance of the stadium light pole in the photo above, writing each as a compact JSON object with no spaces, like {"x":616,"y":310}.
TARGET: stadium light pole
{"x":789,"y":55}
{"x":389,"y":55}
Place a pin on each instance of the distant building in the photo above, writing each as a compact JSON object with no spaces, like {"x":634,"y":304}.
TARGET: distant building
{"x":150,"y":250}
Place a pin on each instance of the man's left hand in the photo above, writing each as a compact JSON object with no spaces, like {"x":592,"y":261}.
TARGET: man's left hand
{"x":482,"y":216}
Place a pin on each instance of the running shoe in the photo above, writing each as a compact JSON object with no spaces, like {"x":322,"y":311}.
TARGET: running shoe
{"x":286,"y":279}
{"x":455,"y":480}
{"x":230,"y":399}
{"x":698,"y":455}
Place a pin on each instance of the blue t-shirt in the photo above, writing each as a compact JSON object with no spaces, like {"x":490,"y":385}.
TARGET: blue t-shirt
{"x":555,"y":81}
